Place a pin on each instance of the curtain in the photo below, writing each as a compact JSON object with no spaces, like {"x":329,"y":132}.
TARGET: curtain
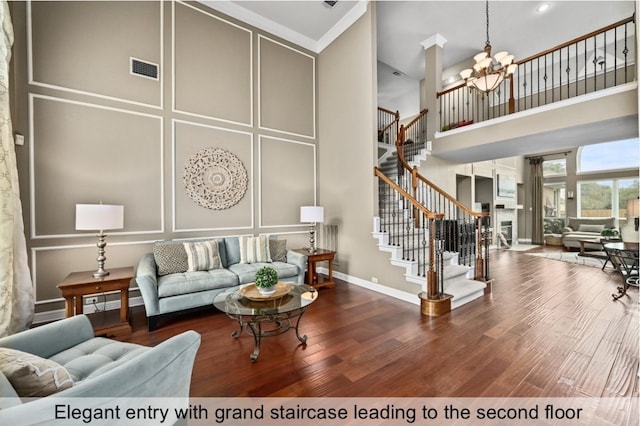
{"x":537,"y":234}
{"x":16,"y":289}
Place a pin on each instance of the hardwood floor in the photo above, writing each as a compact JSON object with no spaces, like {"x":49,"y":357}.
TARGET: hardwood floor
{"x":549,"y":329}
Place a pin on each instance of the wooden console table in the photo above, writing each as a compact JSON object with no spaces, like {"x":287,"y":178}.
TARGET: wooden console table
{"x":320,"y":255}
{"x":79,"y":284}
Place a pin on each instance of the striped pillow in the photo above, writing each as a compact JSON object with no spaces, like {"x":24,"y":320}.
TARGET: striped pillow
{"x":202,"y":255}
{"x":254,"y":249}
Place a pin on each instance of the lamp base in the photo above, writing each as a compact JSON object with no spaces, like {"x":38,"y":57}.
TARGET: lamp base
{"x":100,"y":273}
{"x":312,"y":239}
{"x":101,"y":257}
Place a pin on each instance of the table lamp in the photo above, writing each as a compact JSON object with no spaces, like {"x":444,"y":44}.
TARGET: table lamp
{"x":312,"y":215}
{"x":99,"y":217}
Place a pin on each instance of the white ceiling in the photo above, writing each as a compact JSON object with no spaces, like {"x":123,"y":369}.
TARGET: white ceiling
{"x":402,"y":25}
{"x":514,"y":26}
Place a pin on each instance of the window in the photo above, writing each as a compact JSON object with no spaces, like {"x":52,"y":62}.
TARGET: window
{"x":554,"y":200}
{"x":554,"y":168}
{"x":606,"y":198}
{"x":618,"y":155}
{"x":554,"y":196}
{"x":595,"y":198}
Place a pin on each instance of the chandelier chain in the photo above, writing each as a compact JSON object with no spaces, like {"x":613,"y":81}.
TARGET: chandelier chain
{"x":487,"y":11}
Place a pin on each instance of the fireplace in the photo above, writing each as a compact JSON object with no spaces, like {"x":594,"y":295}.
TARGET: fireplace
{"x":506,"y":229}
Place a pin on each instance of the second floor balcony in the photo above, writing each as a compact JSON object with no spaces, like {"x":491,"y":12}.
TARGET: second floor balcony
{"x":572,"y":92}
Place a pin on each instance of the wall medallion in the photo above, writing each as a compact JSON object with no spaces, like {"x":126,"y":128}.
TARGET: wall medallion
{"x":215,"y":178}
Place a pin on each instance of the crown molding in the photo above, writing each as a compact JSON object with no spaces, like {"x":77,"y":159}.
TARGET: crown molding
{"x":316,"y":46}
{"x":435,"y":40}
{"x":343,"y":24}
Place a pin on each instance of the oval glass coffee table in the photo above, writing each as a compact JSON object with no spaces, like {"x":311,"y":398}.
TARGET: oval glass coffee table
{"x":267,"y":316}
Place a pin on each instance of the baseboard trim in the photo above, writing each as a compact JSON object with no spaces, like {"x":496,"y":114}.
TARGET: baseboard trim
{"x":378,"y":288}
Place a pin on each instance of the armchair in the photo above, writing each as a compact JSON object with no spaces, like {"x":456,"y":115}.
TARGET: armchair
{"x":102,"y":369}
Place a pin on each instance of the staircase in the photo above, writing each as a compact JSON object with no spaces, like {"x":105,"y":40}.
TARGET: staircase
{"x":421,"y":240}
{"x":458,"y":279}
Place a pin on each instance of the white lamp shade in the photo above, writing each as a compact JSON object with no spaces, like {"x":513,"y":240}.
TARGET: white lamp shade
{"x":466,"y":73}
{"x":480,"y":56}
{"x":507,"y":60}
{"x":633,"y":207}
{"x":99,"y":217}
{"x":311,"y":214}
{"x":500,"y":55}
{"x":484,"y":63}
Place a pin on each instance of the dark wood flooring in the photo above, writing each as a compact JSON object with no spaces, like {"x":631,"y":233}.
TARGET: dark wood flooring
{"x":548,"y":329}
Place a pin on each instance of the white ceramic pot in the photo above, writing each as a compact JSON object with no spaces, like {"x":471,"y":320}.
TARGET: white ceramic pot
{"x":267,"y":291}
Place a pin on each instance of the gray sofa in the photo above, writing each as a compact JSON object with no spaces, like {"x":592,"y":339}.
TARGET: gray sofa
{"x":104,"y":372}
{"x":168,"y":288}
{"x":580,"y":228}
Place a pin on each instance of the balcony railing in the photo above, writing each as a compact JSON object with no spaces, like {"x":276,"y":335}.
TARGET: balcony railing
{"x":599,"y":60}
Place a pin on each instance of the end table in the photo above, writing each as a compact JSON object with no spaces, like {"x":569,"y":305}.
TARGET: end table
{"x":79,"y":284}
{"x":320,"y":255}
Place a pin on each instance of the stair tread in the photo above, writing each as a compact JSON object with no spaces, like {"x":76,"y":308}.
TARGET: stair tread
{"x":453,"y":271}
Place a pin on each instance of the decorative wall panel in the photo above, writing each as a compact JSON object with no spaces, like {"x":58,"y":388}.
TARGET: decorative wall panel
{"x":191,"y":139}
{"x":50,"y":265}
{"x":212,"y":66}
{"x":83,"y":153}
{"x":287,"y":89}
{"x":86,"y":46}
{"x":287,"y":180}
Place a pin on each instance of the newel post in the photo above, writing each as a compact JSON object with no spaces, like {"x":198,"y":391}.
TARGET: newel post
{"x":480,"y":249}
{"x":432,"y":276}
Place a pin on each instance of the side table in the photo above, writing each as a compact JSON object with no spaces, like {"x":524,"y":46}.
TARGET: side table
{"x":320,"y":255}
{"x":79,"y":284}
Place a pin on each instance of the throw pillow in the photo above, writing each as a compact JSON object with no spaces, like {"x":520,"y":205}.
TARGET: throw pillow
{"x":254,"y":249}
{"x":32,"y":376}
{"x":278,"y":250}
{"x":202,"y":255}
{"x":170,"y":257}
{"x":590,"y":228}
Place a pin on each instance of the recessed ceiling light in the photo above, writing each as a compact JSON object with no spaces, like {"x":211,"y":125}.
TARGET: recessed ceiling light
{"x":543,"y":7}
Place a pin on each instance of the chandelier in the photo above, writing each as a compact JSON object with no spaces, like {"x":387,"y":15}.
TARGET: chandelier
{"x":488,"y":72}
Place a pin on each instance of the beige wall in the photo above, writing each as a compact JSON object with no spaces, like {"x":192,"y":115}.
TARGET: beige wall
{"x":347,"y":111}
{"x":95,"y":132}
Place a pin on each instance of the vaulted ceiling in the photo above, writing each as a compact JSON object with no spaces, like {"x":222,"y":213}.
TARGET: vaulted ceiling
{"x":516,"y":26}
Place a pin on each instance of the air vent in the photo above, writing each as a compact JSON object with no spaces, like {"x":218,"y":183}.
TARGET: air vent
{"x":144,"y":69}
{"x":331,"y":3}
{"x":397,"y":73}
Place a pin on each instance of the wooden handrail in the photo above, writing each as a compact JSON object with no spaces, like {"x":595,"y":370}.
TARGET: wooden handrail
{"x":416,"y":175}
{"x":632,"y":18}
{"x":453,"y":200}
{"x":389,"y":111}
{"x":428,"y":213}
{"x":451,"y":89}
{"x":388,"y":127}
{"x":418,"y":117}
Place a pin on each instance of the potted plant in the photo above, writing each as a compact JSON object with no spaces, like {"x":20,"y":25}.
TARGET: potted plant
{"x":609,"y":233}
{"x":266,"y":280}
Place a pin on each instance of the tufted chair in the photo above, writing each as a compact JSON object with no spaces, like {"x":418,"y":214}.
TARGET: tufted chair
{"x":101,"y":368}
